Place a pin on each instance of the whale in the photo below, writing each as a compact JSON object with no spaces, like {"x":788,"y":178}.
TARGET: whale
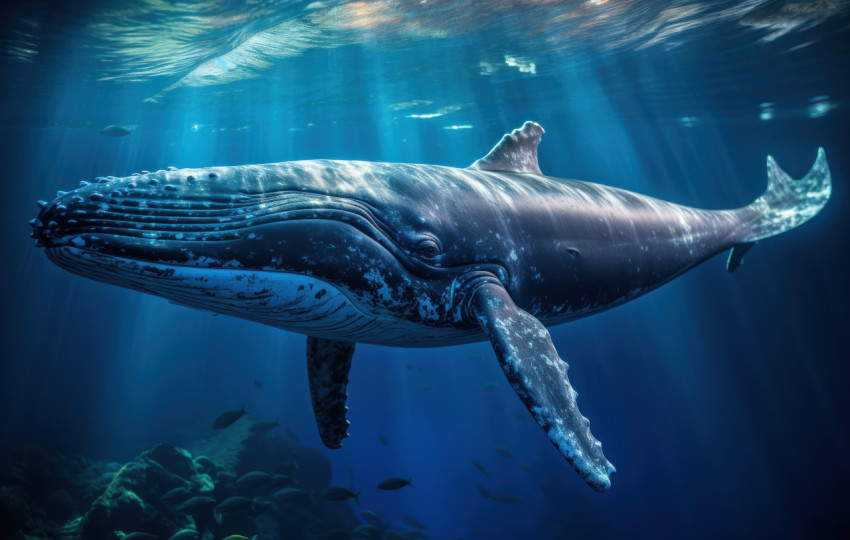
{"x":410,"y":255}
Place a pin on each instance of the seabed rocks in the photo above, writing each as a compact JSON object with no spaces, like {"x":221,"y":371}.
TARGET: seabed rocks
{"x":47,"y":495}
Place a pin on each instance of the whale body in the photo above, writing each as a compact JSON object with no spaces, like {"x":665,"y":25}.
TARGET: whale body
{"x":410,"y":255}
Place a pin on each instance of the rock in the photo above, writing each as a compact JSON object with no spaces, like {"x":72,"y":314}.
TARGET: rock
{"x":131,"y":502}
{"x":18,"y":511}
{"x":49,"y":495}
{"x":205,"y":465}
{"x":174,"y":460}
{"x":60,"y":506}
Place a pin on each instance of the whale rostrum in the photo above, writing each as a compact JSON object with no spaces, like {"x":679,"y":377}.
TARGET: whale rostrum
{"x":410,"y":255}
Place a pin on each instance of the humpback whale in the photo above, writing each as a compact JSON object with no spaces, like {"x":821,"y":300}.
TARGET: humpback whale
{"x":410,"y":255}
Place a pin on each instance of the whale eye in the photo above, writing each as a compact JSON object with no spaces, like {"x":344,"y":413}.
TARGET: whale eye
{"x":428,"y":247}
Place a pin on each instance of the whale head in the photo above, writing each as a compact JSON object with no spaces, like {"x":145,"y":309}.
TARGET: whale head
{"x":280,"y":244}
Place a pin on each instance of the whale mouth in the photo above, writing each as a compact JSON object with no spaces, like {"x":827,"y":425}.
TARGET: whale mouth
{"x":73,"y":217}
{"x":201,"y":228}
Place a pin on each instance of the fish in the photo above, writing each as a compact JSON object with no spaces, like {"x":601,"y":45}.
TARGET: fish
{"x":502,"y":451}
{"x":426,"y":386}
{"x":227,"y":418}
{"x":371,"y":517}
{"x":282,"y":479}
{"x":498,"y":496}
{"x":185,"y":534}
{"x":393,"y":483}
{"x":411,"y":521}
{"x":258,"y":384}
{"x":291,"y":495}
{"x":480,"y":467}
{"x":292,"y":435}
{"x":334,"y":534}
{"x":263,"y":427}
{"x":176,"y":495}
{"x":366,"y":530}
{"x":487,"y":386}
{"x":195,"y":505}
{"x":383,"y":440}
{"x":411,"y":255}
{"x":336,"y":493}
{"x":234,"y":505}
{"x":115,"y":131}
{"x":253,"y":479}
{"x":286,"y":468}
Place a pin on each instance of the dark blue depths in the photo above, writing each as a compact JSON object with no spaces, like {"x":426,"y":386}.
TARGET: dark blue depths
{"x":720,"y":398}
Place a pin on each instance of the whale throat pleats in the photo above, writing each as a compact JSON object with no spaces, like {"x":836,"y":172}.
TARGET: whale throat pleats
{"x":516,"y":152}
{"x":328,"y":364}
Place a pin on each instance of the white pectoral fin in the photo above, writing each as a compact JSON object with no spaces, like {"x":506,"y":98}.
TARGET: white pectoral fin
{"x":539,"y":376}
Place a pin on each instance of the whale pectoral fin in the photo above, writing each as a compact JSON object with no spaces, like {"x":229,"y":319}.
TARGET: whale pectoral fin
{"x":539,"y":376}
{"x":328,"y":363}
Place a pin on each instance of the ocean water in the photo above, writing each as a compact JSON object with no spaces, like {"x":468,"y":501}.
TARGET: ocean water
{"x":721,"y":398}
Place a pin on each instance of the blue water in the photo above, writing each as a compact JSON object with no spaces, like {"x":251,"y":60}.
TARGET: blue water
{"x":721,"y":399}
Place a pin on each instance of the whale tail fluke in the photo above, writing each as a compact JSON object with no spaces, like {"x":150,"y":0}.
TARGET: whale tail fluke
{"x":788,"y":203}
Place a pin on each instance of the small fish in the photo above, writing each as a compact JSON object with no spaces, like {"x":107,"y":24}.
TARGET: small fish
{"x":258,"y":383}
{"x":486,"y":387}
{"x":176,"y":495}
{"x":282,"y":480}
{"x":411,"y":521}
{"x":372,"y":517}
{"x":426,"y":386}
{"x":227,"y":418}
{"x":480,"y":467}
{"x":410,"y":367}
{"x":291,"y":495}
{"x":140,"y":536}
{"x":292,"y":435}
{"x":526,"y":468}
{"x":286,"y":468}
{"x":383,"y":440}
{"x":196,"y":504}
{"x":260,"y":505}
{"x":367,"y":530}
{"x":504,"y":452}
{"x":394,"y":483}
{"x":263,"y":427}
{"x":498,"y":496}
{"x":336,"y":493}
{"x":476,"y":356}
{"x":115,"y":131}
{"x":234,"y":504}
{"x":334,"y":534}
{"x":253,"y":479}
{"x":184,"y":534}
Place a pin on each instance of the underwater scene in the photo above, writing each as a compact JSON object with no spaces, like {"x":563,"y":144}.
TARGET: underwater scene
{"x":316,"y":269}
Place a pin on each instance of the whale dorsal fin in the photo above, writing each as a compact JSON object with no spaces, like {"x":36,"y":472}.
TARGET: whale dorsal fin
{"x":328,"y":363}
{"x":539,"y":377}
{"x":516,"y":152}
